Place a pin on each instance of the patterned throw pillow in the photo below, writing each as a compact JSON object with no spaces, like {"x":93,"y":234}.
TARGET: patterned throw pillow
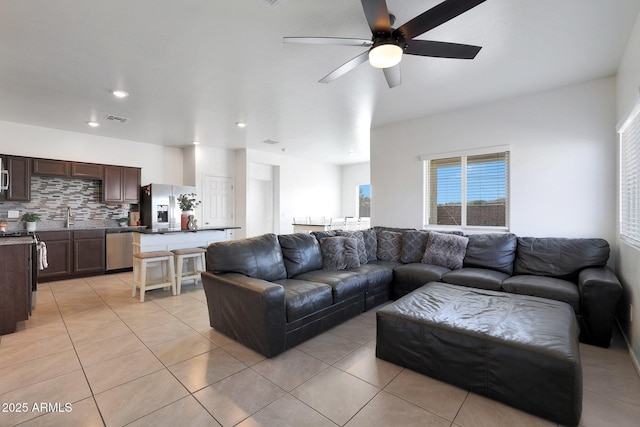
{"x":445,"y":250}
{"x":339,"y":252}
{"x":389,"y":246}
{"x":362,"y":251}
{"x":370,"y":244}
{"x":414,"y":243}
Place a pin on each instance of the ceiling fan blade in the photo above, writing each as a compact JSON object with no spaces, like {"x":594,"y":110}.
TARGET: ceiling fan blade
{"x":377,"y":15}
{"x":435,"y":16}
{"x":442,"y":49}
{"x":345,"y":68}
{"x":393,"y":75}
{"x":341,"y":41}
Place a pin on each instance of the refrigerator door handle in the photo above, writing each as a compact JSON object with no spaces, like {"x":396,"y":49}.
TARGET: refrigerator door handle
{"x":4,"y":178}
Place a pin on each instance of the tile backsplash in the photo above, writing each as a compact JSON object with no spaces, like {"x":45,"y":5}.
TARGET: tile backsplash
{"x":50,"y":197}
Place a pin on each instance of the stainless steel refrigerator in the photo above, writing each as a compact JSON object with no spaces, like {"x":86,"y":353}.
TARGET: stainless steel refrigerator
{"x":159,"y":208}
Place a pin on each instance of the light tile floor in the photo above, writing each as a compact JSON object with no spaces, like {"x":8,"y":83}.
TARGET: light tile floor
{"x":91,"y":355}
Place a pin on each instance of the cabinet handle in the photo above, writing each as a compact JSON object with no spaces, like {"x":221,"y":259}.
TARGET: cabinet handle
{"x":4,"y":180}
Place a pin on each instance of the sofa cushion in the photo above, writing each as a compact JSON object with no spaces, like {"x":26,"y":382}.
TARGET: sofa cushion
{"x":359,"y":237}
{"x":414,"y":243}
{"x":559,"y":257}
{"x":389,"y":245}
{"x":370,"y":244}
{"x":417,"y":274}
{"x":445,"y":250}
{"x":378,"y":274}
{"x":339,"y":253}
{"x":319,"y":235}
{"x":258,"y":257}
{"x":493,"y":251}
{"x":303,"y":298}
{"x":545,"y":287}
{"x":301,"y":253}
{"x":480,"y":278}
{"x":345,"y":284}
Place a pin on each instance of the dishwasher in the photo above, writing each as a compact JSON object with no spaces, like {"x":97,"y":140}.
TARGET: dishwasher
{"x":119,"y":250}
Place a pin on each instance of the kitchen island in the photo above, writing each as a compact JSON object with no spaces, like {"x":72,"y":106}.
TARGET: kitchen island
{"x":168,"y":239}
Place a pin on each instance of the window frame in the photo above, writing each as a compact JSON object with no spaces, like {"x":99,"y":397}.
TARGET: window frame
{"x":629,"y":228}
{"x":463,"y":155}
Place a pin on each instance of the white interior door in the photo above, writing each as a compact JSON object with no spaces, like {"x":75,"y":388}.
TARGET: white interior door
{"x":218,"y":203}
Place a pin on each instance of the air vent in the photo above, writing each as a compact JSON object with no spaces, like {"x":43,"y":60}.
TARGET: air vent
{"x":270,"y":142}
{"x":273,"y":3}
{"x":114,"y":118}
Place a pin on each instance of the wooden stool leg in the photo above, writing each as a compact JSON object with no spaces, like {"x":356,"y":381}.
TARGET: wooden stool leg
{"x":172,"y":276}
{"x":143,"y":279}
{"x":179,"y":263}
{"x":136,"y":272}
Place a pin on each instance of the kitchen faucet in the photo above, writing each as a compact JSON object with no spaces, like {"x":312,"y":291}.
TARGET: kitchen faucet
{"x":68,"y":221}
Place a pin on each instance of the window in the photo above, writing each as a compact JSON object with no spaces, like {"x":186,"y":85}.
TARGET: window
{"x":364,"y":201}
{"x":629,"y":134}
{"x":467,"y":190}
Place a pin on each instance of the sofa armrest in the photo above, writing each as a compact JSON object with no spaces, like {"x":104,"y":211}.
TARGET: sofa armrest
{"x":600,"y":291}
{"x":251,"y":311}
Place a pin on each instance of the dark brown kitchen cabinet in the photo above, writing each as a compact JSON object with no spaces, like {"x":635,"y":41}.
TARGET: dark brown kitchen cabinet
{"x":88,"y":252}
{"x":121,"y":184}
{"x":73,"y":254}
{"x":51,"y":167}
{"x":58,"y":255}
{"x":19,"y":179}
{"x":86,"y":170}
{"x":15,"y":285}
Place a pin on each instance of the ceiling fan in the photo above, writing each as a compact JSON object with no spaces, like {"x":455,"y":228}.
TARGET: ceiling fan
{"x":388,"y":44}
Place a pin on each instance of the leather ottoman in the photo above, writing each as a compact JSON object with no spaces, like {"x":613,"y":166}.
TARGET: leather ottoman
{"x":520,"y":350}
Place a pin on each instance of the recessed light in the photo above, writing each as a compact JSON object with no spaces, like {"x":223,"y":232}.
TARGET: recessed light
{"x":119,"y":93}
{"x":93,"y":124}
{"x":241,"y":124}
{"x":195,"y":142}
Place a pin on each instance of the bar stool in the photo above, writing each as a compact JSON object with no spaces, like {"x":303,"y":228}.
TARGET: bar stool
{"x":192,"y":257}
{"x":143,"y":280}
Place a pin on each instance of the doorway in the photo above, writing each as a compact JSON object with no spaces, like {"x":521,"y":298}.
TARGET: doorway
{"x":262,"y":194}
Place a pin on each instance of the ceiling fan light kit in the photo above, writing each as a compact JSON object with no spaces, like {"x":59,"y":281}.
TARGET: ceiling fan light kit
{"x":388,"y":44}
{"x":385,"y":55}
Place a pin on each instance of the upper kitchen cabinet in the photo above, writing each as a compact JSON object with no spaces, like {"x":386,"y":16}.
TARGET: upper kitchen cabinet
{"x":51,"y":167}
{"x":67,"y":169}
{"x":86,"y":170}
{"x":121,"y":184}
{"x":19,"y":179}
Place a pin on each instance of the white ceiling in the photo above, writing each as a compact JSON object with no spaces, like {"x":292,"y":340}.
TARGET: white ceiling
{"x":195,"y":67}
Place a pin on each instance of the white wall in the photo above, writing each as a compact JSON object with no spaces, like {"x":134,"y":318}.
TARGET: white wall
{"x":200,"y":161}
{"x":353,"y":176}
{"x":159,"y":164}
{"x":306,"y":188}
{"x":562,"y":160}
{"x":628,"y":257}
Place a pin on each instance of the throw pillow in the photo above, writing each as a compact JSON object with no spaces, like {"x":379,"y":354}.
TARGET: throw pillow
{"x":389,"y":246}
{"x":414,"y":243}
{"x":362,"y":251}
{"x":370,"y":244}
{"x":339,"y":252}
{"x":445,"y":250}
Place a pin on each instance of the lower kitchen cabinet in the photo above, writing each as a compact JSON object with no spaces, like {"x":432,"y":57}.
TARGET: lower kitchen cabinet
{"x":89,"y":252}
{"x":73,"y":254}
{"x":15,"y":286}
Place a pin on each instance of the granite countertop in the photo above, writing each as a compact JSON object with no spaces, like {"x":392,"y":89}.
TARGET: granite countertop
{"x":177,"y":230}
{"x":9,"y":240}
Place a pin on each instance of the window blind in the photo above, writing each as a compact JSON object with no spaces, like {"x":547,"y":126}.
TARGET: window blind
{"x":468,"y":190}
{"x":630,"y":177}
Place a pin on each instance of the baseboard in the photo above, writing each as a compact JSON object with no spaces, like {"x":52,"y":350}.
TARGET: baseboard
{"x":634,"y":360}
